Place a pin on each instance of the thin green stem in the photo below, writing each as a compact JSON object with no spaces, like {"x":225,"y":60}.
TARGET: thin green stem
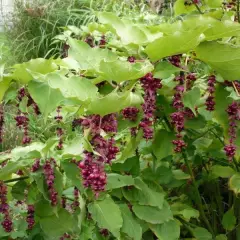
{"x":15,"y":179}
{"x":70,"y":199}
{"x":219,"y":200}
{"x":168,"y":123}
{"x":154,"y":163}
{"x":198,"y":196}
{"x":187,"y":225}
{"x":197,"y":7}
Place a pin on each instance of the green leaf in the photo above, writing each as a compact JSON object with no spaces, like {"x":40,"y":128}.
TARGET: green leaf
{"x":143,"y":194}
{"x":167,"y":231}
{"x":88,"y":58}
{"x":130,"y":226}
{"x":163,"y":175}
{"x":107,"y":214}
{"x":222,"y":171}
{"x":114,"y":102}
{"x":46,"y":97}
{"x":115,"y":180}
{"x":153,"y":215}
{"x":41,"y":184}
{"x":161,"y":147}
{"x":31,"y":151}
{"x":222,"y":29}
{"x":43,"y":209}
{"x":221,"y":106}
{"x":181,"y":8}
{"x":221,"y":237}
{"x":72,"y":172}
{"x":214,"y":3}
{"x":74,"y":148}
{"x":238,"y":144}
{"x":184,"y":210}
{"x":202,"y":234}
{"x":129,"y":150}
{"x":56,"y":226}
{"x":12,"y":167}
{"x":224,"y":58}
{"x":229,"y":220}
{"x":58,"y":182}
{"x":24,"y":72}
{"x":151,"y":197}
{"x":131,"y":165}
{"x":234,"y":183}
{"x":4,"y":85}
{"x":18,"y":190}
{"x":180,"y":175}
{"x":126,"y":31}
{"x":120,"y":71}
{"x":177,"y":43}
{"x":202,"y":144}
{"x":74,"y":87}
{"x":165,"y":70}
{"x":23,"y":104}
{"x":190,"y":98}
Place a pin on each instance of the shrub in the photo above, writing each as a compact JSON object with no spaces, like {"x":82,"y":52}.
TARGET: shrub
{"x":143,"y":133}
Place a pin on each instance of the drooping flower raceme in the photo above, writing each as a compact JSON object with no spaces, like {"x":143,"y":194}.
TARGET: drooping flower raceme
{"x":150,"y":86}
{"x":210,"y":103}
{"x":48,"y":170}
{"x":7,"y":223}
{"x":233,"y":111}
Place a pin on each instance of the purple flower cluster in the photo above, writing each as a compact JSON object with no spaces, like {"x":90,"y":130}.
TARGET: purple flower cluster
{"x":4,"y":208}
{"x":36,"y":165}
{"x":22,"y":123}
{"x":233,"y":111}
{"x":103,"y":41}
{"x":150,"y":86}
{"x":65,"y":236}
{"x":65,"y":50}
{"x":210,"y":103}
{"x":190,"y":78}
{"x":93,"y":173}
{"x":108,"y":123}
{"x":179,"y":144}
{"x":64,"y":202}
{"x":30,"y":216}
{"x":104,"y":232}
{"x":175,"y":60}
{"x":1,"y":123}
{"x":48,"y":170}
{"x":20,"y":172}
{"x":22,"y":92}
{"x":90,"y":41}
{"x":106,"y":148}
{"x":177,"y":118}
{"x":131,"y":59}
{"x":130,"y":113}
{"x":75,"y":203}
{"x":59,"y":130}
{"x":92,"y":167}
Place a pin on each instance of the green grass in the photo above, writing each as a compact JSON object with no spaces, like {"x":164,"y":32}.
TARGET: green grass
{"x":5,"y":52}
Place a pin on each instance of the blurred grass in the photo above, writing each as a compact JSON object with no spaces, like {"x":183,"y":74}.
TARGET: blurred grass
{"x":5,"y":51}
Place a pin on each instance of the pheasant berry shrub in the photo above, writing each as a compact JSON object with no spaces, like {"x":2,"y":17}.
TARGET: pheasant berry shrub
{"x":133,"y":134}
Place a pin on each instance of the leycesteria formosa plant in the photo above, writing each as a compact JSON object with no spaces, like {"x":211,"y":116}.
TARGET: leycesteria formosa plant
{"x":133,"y":135}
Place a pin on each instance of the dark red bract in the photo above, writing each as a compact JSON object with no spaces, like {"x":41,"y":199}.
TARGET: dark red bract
{"x":150,"y":86}
{"x":48,"y":171}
